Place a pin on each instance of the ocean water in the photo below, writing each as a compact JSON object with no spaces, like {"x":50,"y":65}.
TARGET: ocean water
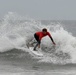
{"x":15,"y":57}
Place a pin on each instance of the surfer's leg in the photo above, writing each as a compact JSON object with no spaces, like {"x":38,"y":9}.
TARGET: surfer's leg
{"x":34,"y":41}
{"x":37,"y":39}
{"x":36,"y":46}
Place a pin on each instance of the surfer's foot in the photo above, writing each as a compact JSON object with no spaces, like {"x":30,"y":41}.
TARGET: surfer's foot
{"x":34,"y":49}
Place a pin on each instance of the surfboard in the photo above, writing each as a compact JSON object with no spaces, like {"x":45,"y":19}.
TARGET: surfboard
{"x":38,"y":52}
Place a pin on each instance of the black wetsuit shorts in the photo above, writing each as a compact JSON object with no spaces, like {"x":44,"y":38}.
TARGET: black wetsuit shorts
{"x":37,"y":38}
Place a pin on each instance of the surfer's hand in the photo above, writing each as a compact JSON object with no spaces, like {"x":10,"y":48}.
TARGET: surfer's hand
{"x":54,"y":43}
{"x":38,"y":46}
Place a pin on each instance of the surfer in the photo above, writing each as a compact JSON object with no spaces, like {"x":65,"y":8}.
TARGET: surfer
{"x":39,"y":35}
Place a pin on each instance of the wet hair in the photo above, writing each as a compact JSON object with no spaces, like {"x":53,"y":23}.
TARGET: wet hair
{"x":44,"y":30}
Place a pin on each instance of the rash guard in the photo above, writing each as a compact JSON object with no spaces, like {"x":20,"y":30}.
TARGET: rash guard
{"x":41,"y":35}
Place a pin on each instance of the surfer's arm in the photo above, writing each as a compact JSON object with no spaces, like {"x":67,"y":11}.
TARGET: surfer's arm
{"x":51,"y":38}
{"x":40,"y":39}
{"x":39,"y":43}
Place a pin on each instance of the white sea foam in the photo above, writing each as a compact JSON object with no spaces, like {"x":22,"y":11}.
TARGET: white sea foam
{"x":17,"y":31}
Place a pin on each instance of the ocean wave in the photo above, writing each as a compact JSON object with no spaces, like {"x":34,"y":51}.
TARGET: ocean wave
{"x":16,"y":31}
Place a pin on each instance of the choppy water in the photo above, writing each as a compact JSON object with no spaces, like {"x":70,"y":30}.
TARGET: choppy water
{"x":16,"y":59}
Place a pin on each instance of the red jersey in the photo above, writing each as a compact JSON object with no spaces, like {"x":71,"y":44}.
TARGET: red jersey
{"x":41,"y":34}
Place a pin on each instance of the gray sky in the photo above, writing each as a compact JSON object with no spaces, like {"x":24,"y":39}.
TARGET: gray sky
{"x":41,"y":9}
